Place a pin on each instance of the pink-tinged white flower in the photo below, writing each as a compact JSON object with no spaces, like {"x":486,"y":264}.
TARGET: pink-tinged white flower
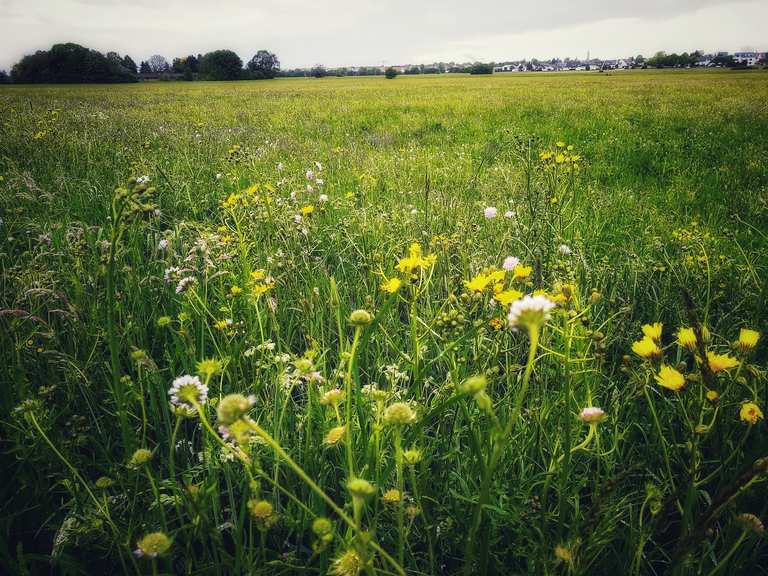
{"x":510,"y":262}
{"x":319,"y":181}
{"x":564,"y":250}
{"x":162,"y":245}
{"x":170,"y":273}
{"x":310,"y":189}
{"x":509,"y":214}
{"x":323,"y":198}
{"x":310,"y":175}
{"x":187,"y":388}
{"x":280,"y":166}
{"x":297,"y":218}
{"x":490,"y":212}
{"x":184,"y":283}
{"x":592,"y":415}
{"x":293,"y":196}
{"x":318,"y":165}
{"x":530,"y":312}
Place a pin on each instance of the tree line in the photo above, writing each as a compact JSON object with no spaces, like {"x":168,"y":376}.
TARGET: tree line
{"x":71,"y":64}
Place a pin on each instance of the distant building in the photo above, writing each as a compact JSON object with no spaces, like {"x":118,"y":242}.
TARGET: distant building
{"x":746,"y":58}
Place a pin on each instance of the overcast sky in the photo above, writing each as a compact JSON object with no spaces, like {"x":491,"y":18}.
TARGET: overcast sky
{"x":358,"y":32}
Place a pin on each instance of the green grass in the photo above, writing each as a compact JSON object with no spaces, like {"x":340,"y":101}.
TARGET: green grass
{"x":666,"y":218}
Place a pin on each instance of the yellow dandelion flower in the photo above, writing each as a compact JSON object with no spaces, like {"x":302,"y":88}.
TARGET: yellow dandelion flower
{"x":334,"y":435}
{"x":720,"y":362}
{"x":391,"y":285}
{"x":686,"y":338}
{"x":750,"y":413}
{"x":235,"y":290}
{"x":478,"y":283}
{"x":747,"y":340}
{"x":506,"y":297}
{"x":646,"y":348}
{"x":307,"y":210}
{"x":713,"y":396}
{"x":670,"y":378}
{"x":392,"y":496}
{"x":653,"y":331}
{"x":521,"y":272}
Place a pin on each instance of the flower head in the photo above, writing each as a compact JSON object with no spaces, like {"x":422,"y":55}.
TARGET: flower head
{"x":233,"y":407}
{"x":653,"y":331}
{"x":392,"y":496}
{"x":646,"y":348}
{"x":360,"y":488}
{"x":348,"y":564}
{"x":530,"y":312}
{"x":187,"y":390}
{"x":670,"y":378}
{"x":490,"y":212}
{"x":686,"y":337}
{"x":747,"y":340}
{"x":153,"y":545}
{"x":564,"y":250}
{"x":720,"y":362}
{"x":510,"y":263}
{"x":399,"y":414}
{"x":750,"y":413}
{"x":592,"y":415}
{"x":391,"y":285}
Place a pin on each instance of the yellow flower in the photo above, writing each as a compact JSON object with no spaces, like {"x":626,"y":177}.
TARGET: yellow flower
{"x":750,"y":413}
{"x":506,"y":297}
{"x":653,"y":331}
{"x":670,"y":378}
{"x":720,"y":362}
{"x":415,"y":260}
{"x":521,"y":272}
{"x":686,"y":338}
{"x":478,"y":283}
{"x":235,"y":290}
{"x":646,"y":348}
{"x":713,"y":396}
{"x":307,"y":210}
{"x":391,"y":286}
{"x":392,"y":496}
{"x":747,"y":340}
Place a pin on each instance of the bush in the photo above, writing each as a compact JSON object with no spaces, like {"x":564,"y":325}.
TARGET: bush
{"x":264,"y":65}
{"x":70,"y":64}
{"x":390,"y":73}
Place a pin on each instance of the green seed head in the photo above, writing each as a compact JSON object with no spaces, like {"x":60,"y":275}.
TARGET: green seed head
{"x":322,"y":527}
{"x":360,"y":318}
{"x":360,"y":488}
{"x":154,"y":544}
{"x":232,"y":408}
{"x":473,"y":384}
{"x":140,"y":457}
{"x":399,"y":414}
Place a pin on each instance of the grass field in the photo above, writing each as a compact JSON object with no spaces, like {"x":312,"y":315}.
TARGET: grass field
{"x":281,"y":327}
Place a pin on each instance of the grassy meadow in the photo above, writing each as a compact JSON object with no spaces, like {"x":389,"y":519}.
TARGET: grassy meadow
{"x":429,"y":325}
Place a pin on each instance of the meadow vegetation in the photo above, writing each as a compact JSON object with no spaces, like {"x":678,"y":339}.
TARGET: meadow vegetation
{"x":439,"y":325}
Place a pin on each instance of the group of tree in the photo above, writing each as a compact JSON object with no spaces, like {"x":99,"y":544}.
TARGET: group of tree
{"x":664,"y":60}
{"x":72,"y":63}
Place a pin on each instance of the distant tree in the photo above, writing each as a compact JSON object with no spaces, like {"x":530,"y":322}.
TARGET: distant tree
{"x":70,"y":63}
{"x":144,"y":68}
{"x":221,"y":65}
{"x":4,"y":78}
{"x":129,"y":64}
{"x":158,"y":64}
{"x":264,"y":65}
{"x":390,"y":73}
{"x":481,"y":68}
{"x":178,"y":65}
{"x":193,"y":63}
{"x":318,"y":71}
{"x":724,"y":60}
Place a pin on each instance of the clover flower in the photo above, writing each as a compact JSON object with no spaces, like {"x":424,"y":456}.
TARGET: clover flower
{"x":510,"y":263}
{"x":564,"y":250}
{"x":530,"y":312}
{"x":188,"y":389}
{"x":490,"y":212}
{"x":592,"y":415}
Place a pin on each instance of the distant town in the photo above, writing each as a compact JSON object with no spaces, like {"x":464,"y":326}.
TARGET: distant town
{"x":696,"y":59}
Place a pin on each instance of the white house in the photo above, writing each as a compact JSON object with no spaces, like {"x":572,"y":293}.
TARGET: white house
{"x":748,"y":58}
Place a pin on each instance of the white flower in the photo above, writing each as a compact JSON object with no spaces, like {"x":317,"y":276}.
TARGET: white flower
{"x":185,"y":388}
{"x":509,"y":214}
{"x":163,"y":244}
{"x":218,"y":176}
{"x":170,"y":273}
{"x":510,"y":262}
{"x":530,"y":311}
{"x":297,"y":218}
{"x":184,"y":283}
{"x":293,"y":195}
{"x":319,"y":181}
{"x":318,"y":165}
{"x":142,"y":180}
{"x":279,"y":166}
{"x":310,"y":175}
{"x":592,"y":415}
{"x":323,"y":198}
{"x":414,"y":211}
{"x":490,"y":212}
{"x":310,"y":189}
{"x":565,"y":250}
